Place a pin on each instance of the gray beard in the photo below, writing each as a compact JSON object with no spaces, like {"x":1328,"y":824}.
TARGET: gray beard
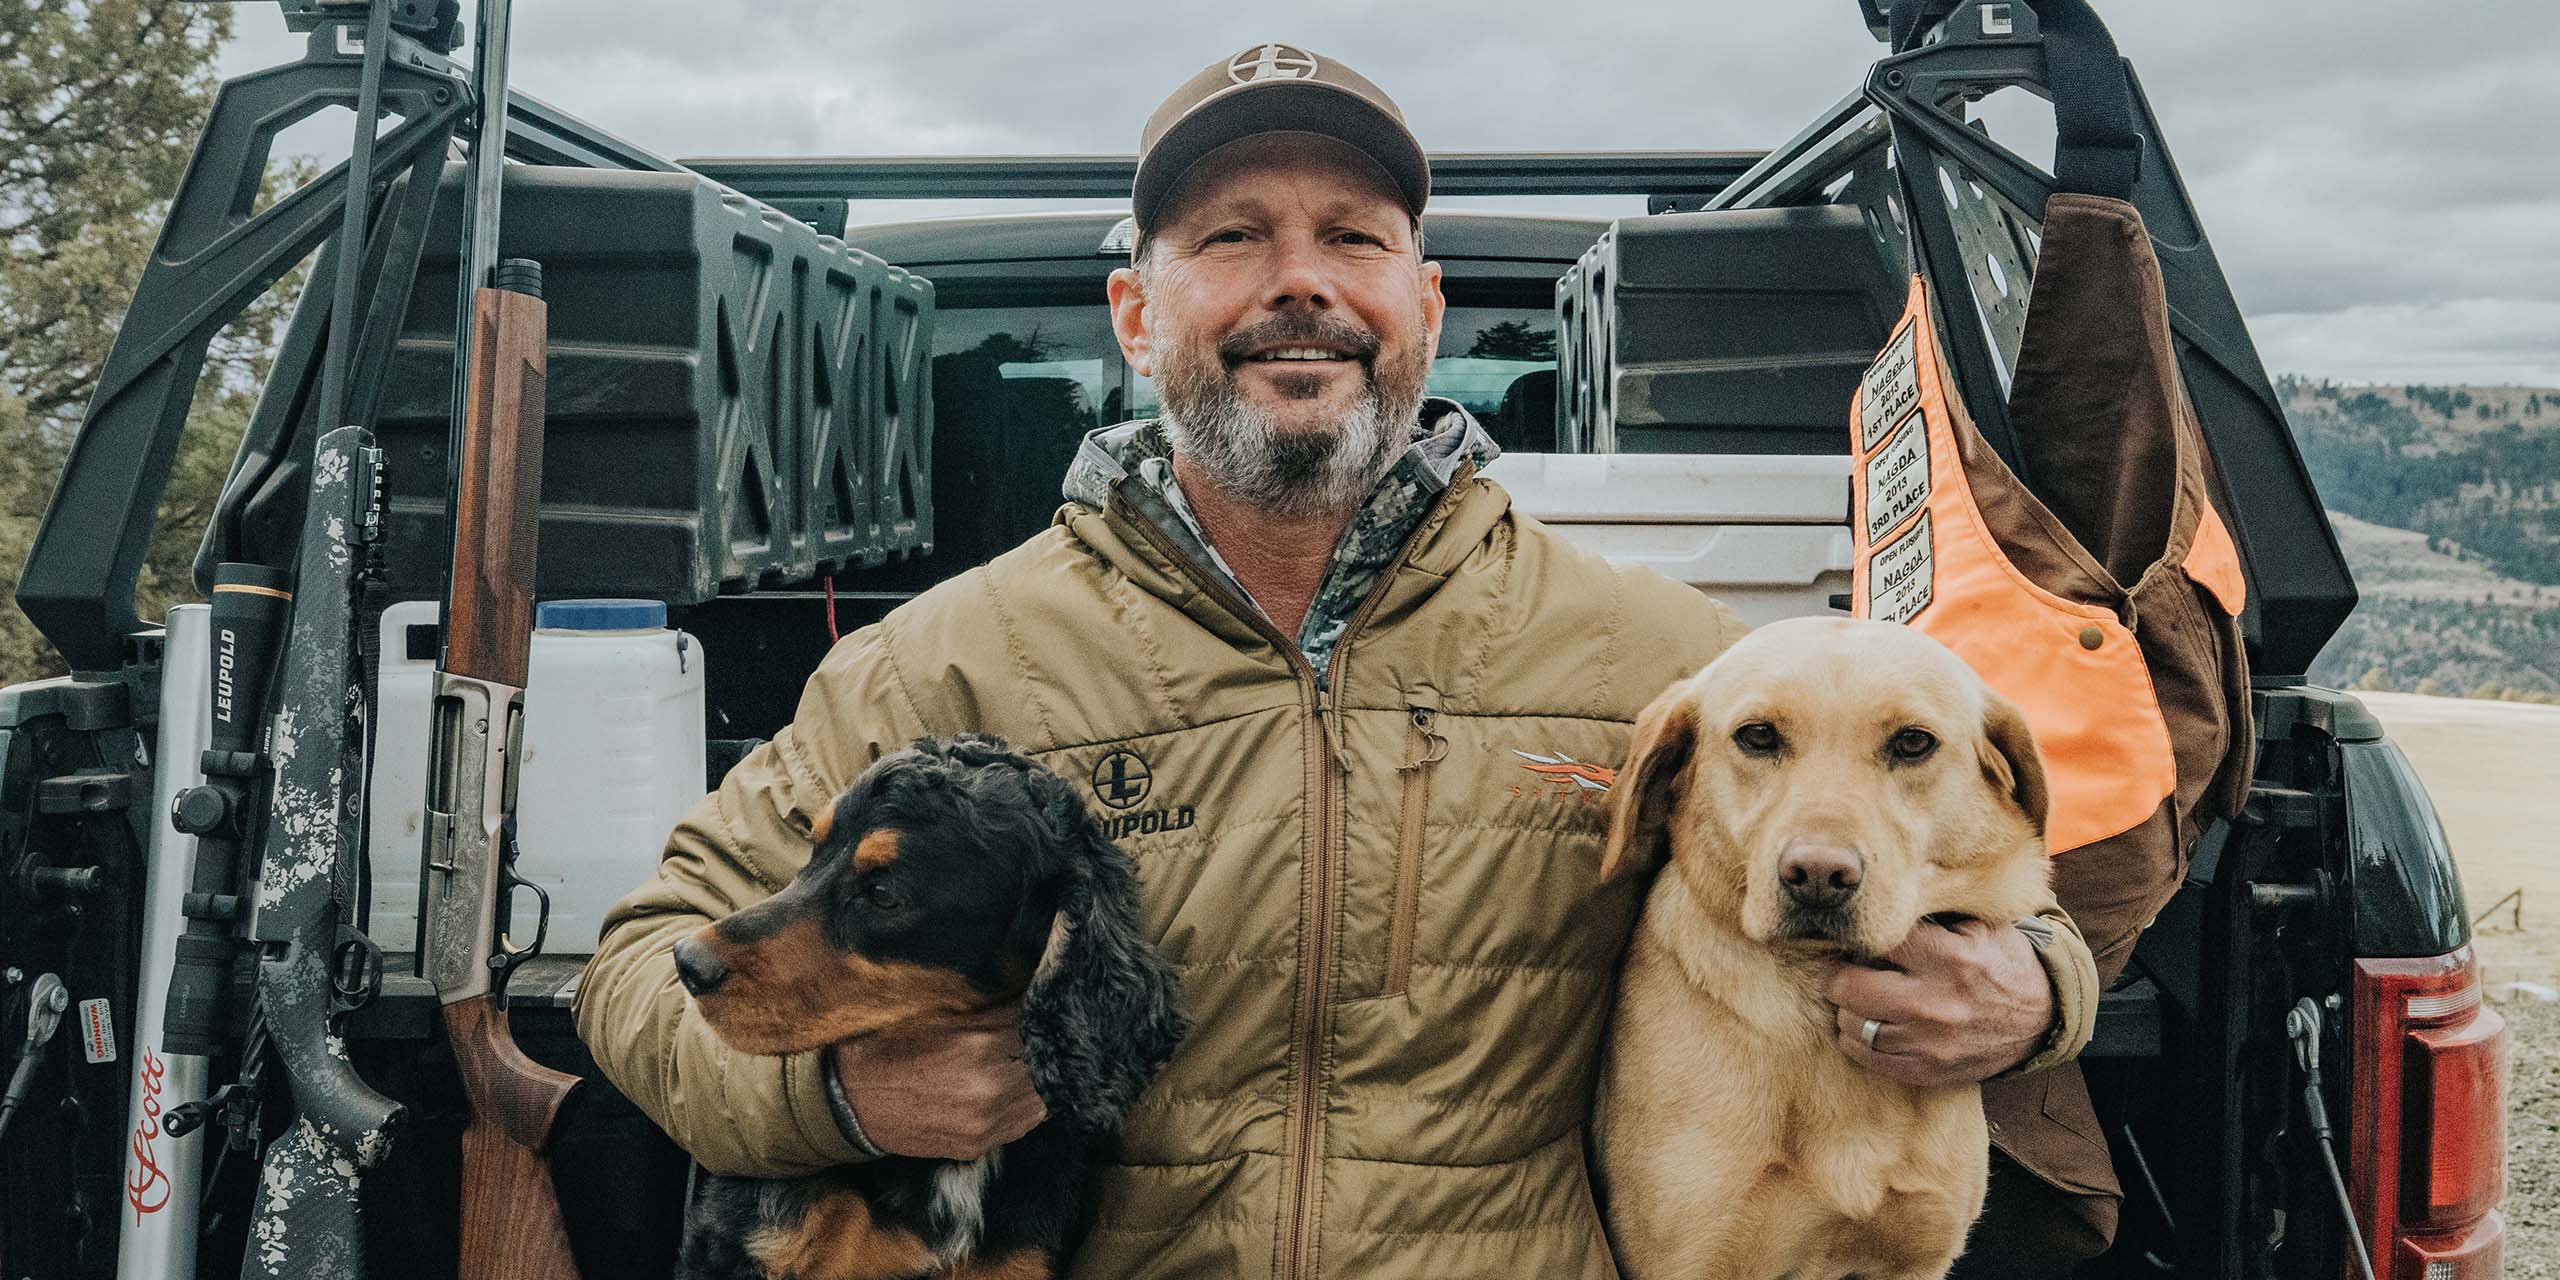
{"x":1240,"y":447}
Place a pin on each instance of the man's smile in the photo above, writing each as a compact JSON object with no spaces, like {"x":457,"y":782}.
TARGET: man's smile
{"x":1300,"y":355}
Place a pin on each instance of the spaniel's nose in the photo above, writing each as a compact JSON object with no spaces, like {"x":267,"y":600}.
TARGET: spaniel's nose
{"x":1818,"y":875}
{"x":699,"y":970}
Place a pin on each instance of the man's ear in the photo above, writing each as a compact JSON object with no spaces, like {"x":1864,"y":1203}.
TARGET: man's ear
{"x":1435,"y":304}
{"x":1648,"y":785}
{"x":2011,"y":760}
{"x":1129,"y":320}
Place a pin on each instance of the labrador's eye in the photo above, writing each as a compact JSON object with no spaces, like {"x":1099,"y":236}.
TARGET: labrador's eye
{"x":880,"y":897}
{"x":1759,"y":738}
{"x":1913,"y":744}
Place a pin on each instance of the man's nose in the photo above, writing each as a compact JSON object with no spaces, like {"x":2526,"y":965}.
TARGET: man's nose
{"x":699,"y":970}
{"x":1819,"y":875}
{"x":1299,"y":276}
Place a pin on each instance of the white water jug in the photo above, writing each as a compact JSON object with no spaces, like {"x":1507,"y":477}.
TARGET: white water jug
{"x":613,"y":756}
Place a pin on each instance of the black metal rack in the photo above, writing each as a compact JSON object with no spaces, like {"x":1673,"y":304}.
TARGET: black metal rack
{"x":1689,"y":176}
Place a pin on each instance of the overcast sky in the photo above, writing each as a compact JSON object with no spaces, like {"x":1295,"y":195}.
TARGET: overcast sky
{"x":2380,"y":180}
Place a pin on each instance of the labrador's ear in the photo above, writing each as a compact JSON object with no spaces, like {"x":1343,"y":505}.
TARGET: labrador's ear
{"x":1648,"y":784}
{"x":2010,"y":759}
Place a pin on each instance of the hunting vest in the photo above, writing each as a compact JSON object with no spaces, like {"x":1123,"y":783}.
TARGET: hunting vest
{"x":2095,"y":586}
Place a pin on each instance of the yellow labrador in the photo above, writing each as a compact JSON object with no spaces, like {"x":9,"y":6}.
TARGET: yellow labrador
{"x":1820,"y":788}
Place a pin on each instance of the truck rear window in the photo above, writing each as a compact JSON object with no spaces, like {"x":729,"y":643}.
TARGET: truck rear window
{"x":1063,"y":375}
{"x":1016,"y":387}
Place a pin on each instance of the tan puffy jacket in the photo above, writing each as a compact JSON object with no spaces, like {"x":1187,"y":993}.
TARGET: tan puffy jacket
{"x":1383,"y":902}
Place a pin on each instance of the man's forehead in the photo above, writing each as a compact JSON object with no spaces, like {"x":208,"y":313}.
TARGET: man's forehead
{"x":1258,"y":173}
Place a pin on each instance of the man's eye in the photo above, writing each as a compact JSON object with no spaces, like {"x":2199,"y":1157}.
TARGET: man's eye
{"x":880,"y":897}
{"x":1913,"y":744}
{"x":1759,"y":738}
{"x":1232,"y":235}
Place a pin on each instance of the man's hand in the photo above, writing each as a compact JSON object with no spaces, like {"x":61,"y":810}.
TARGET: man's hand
{"x":1959,"y":1004}
{"x":952,"y":1090}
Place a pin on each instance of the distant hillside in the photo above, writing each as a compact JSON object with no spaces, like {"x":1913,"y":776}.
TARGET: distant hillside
{"x":2477,"y":469}
{"x":2447,"y":503}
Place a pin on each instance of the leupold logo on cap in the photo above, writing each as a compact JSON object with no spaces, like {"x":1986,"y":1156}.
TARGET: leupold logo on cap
{"x":1272,"y":62}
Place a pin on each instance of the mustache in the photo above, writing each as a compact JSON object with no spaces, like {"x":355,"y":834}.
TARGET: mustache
{"x":1298,"y":330}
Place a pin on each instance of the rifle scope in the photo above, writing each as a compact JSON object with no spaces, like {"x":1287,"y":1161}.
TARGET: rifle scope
{"x":250,"y":602}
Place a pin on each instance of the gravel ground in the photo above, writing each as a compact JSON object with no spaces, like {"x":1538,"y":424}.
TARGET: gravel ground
{"x":2533,"y":1141}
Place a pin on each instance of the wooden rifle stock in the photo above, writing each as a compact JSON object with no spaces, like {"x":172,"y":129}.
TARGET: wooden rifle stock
{"x":497,"y":512}
{"x":511,"y":1223}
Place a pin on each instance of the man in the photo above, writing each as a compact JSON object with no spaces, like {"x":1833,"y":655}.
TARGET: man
{"x":1290,"y":617}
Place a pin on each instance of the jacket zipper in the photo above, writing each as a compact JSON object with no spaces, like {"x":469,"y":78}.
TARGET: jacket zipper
{"x":1315,"y":987}
{"x":1423,"y":748}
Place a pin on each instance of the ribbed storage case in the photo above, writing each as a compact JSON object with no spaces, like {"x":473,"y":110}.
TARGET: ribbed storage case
{"x":735,"y":401}
{"x":1731,"y":331}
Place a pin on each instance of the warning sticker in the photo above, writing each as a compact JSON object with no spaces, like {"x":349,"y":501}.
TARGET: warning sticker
{"x":1891,"y":387}
{"x":1897,"y":479}
{"x":1900,"y":576}
{"x":97,"y":1031}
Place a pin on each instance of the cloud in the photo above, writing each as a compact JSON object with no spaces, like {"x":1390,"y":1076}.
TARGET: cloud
{"x":2359,"y":164}
{"x":2465,"y":340}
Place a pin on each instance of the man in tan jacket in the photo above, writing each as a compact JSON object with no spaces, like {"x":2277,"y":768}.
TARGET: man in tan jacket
{"x":1302,"y":654}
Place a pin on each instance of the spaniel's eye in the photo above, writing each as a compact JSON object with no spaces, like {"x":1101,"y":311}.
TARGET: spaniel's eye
{"x":1913,"y":744}
{"x":880,"y":897}
{"x":1759,"y":738}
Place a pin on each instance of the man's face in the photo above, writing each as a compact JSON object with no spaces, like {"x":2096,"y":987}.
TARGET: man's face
{"x":1287,"y":318}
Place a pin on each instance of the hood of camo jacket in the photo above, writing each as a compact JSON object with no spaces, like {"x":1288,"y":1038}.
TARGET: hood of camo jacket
{"x":1383,"y":899}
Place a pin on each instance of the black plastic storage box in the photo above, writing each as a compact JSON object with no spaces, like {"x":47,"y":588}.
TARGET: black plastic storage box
{"x":1732,"y":331}
{"x":735,"y":401}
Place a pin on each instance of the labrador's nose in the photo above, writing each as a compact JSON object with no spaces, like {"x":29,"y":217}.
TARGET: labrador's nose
{"x":1818,"y":875}
{"x":700,"y":971}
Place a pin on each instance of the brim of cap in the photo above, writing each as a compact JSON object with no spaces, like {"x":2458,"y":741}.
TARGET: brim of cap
{"x":1272,"y":106}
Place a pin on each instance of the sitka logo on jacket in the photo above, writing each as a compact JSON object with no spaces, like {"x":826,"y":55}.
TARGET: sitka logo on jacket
{"x":1561,"y":777}
{"x":1123,"y":780}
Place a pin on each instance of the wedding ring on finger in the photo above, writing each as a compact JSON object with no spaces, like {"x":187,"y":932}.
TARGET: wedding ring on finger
{"x":1868,"y":1033}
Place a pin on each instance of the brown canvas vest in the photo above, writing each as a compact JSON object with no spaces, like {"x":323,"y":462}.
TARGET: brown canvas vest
{"x":1924,"y":555}
{"x":2095,"y":586}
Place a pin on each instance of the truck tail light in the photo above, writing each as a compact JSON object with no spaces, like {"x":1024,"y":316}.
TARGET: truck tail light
{"x":2428,"y":1140}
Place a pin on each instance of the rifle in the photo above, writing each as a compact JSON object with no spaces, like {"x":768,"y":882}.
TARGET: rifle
{"x":511,"y":1225}
{"x":313,"y":966}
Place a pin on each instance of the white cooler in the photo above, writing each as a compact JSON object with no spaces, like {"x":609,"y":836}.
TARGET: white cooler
{"x":1768,"y":534}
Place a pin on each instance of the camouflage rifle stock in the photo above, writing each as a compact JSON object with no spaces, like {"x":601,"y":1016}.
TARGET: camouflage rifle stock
{"x":313,"y":965}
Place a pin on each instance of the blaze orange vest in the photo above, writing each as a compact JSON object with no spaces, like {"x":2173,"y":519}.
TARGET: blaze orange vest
{"x":1924,"y":555}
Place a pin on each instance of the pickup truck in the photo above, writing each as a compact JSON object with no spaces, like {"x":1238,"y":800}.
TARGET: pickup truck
{"x":758,"y":421}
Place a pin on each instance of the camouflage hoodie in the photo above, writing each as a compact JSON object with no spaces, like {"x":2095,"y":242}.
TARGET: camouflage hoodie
{"x":1445,"y":438}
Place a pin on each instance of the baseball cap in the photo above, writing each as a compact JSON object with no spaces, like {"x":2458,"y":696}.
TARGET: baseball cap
{"x":1267,"y":88}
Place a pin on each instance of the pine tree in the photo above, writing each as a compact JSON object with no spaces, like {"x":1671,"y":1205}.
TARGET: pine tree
{"x":100,"y":105}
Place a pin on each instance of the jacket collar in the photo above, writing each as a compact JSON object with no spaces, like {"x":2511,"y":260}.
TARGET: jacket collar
{"x":1125,"y":505}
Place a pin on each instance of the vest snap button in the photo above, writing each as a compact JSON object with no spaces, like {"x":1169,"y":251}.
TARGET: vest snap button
{"x":2091,"y":637}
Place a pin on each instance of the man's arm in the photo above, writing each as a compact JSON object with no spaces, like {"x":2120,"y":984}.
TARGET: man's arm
{"x":734,"y":1112}
{"x":1971,"y":1002}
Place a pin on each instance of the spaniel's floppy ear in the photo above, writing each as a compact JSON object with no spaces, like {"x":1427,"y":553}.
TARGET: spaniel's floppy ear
{"x":1648,"y":785}
{"x":2011,"y":760}
{"x":1100,"y":1017}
